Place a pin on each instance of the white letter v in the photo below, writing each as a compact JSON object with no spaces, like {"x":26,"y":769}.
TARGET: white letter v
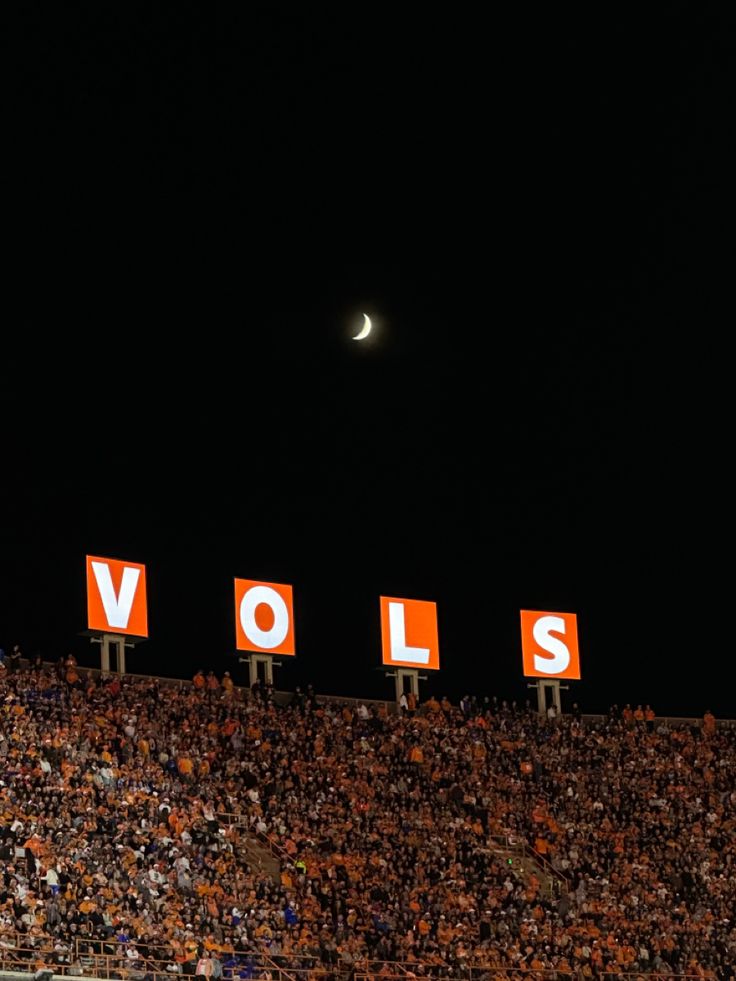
{"x":117,"y":608}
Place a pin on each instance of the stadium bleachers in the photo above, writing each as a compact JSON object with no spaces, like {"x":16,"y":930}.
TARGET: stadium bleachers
{"x":149,"y":828}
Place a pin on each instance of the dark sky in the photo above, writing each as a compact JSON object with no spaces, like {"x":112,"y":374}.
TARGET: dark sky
{"x":201,"y":206}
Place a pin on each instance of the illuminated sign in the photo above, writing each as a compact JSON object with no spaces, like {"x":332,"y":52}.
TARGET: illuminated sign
{"x":116,"y":596}
{"x":549,"y":645}
{"x":264,"y":617}
{"x":409,"y":633}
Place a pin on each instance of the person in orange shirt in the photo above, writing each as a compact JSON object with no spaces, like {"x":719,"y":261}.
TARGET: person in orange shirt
{"x":228,"y":687}
{"x":185,"y":767}
{"x":229,"y":726}
{"x":35,"y":844}
{"x":423,"y":926}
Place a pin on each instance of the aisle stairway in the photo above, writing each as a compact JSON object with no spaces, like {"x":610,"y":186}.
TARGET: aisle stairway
{"x":524,"y":862}
{"x":257,"y":854}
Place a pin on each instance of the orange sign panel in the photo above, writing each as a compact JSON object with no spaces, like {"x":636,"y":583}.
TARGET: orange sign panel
{"x":549,"y":645}
{"x":264,"y":617}
{"x":116,"y":596}
{"x":409,"y":633}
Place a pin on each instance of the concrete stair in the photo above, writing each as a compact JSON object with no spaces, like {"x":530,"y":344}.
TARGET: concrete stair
{"x":524,"y":862}
{"x":259,"y":857}
{"x":255,"y":852}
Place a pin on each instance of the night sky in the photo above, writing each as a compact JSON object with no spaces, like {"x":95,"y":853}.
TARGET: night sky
{"x":199,"y":214}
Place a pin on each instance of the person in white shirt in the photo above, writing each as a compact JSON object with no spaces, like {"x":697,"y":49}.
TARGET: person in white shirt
{"x":52,"y":879}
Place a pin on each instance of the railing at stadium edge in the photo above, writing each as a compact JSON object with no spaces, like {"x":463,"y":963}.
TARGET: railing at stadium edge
{"x":422,"y":971}
{"x":156,"y":965}
{"x":25,"y":975}
{"x":89,"y":955}
{"x":119,"y":966}
{"x":486,"y":972}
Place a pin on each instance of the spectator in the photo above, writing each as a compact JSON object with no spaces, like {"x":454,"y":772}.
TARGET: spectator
{"x":649,"y":716}
{"x":386,"y":830}
{"x":15,"y":659}
{"x":228,"y":688}
{"x":709,"y":723}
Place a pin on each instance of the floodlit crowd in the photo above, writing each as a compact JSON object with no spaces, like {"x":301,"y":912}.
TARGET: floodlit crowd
{"x":134,"y":818}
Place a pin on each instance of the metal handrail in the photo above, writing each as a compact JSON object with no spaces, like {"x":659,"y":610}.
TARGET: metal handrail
{"x":426,"y":970}
{"x":118,"y":965}
{"x":240,"y":821}
{"x":159,"y":964}
{"x":554,"y":873}
{"x":515,"y":842}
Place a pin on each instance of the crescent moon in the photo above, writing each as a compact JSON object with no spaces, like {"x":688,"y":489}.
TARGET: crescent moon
{"x":365,"y":329}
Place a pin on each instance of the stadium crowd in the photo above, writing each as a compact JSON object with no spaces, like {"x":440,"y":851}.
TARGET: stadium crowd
{"x":126,"y":808}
